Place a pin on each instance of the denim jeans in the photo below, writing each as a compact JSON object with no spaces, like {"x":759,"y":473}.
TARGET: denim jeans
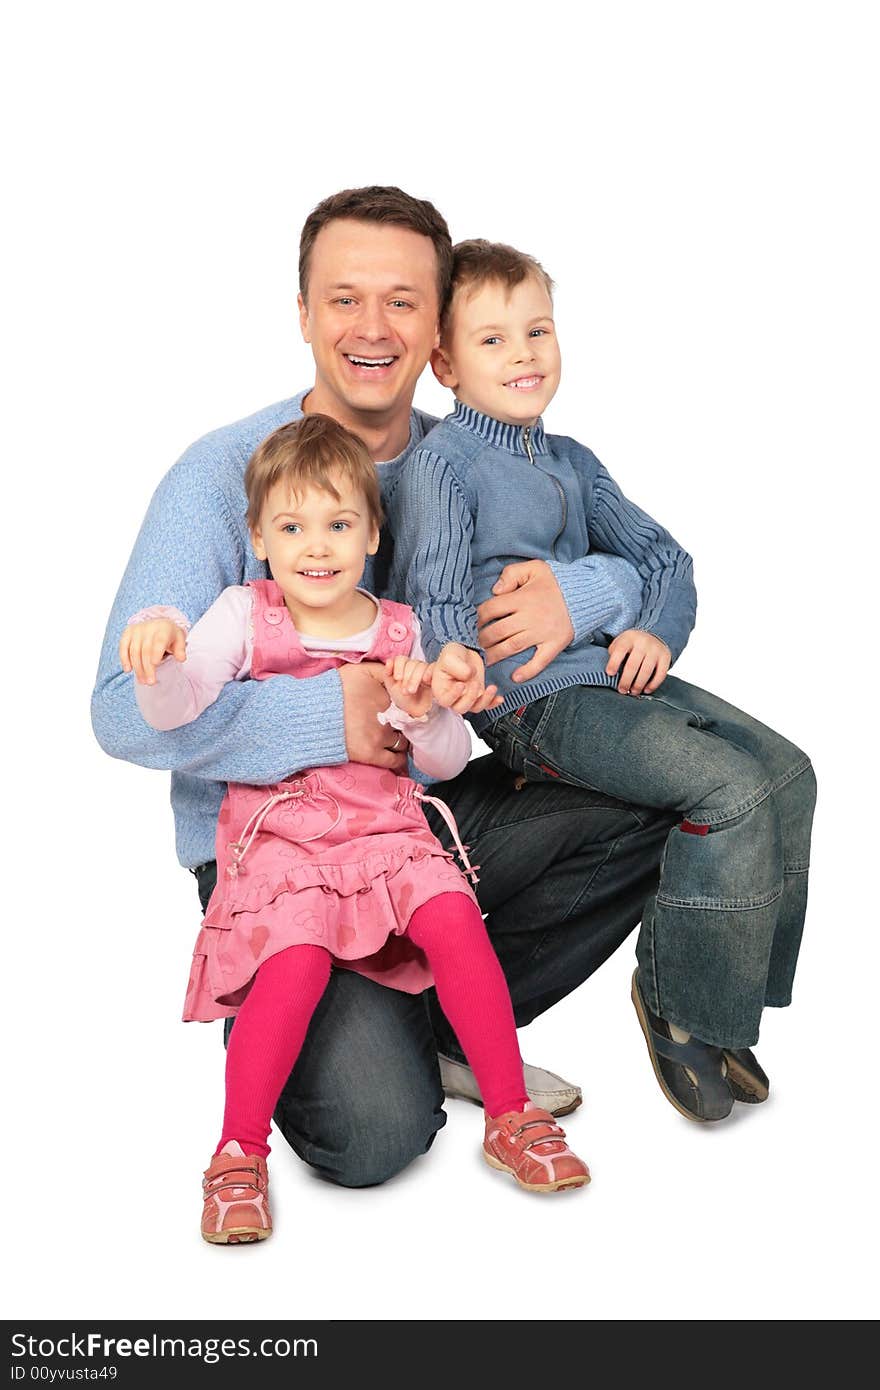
{"x":720,"y":937}
{"x":564,"y":876}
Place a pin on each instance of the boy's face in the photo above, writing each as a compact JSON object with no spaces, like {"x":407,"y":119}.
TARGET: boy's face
{"x":502,"y":354}
{"x":370,"y":316}
{"x":314,"y":543}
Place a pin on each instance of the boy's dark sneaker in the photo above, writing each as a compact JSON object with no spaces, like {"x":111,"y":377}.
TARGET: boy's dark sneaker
{"x":692,"y":1075}
{"x":745,"y":1077}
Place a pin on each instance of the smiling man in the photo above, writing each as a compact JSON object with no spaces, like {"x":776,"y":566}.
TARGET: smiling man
{"x":564,"y":873}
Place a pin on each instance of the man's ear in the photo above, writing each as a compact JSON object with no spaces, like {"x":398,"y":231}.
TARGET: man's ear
{"x":257,"y":543}
{"x":303,"y":318}
{"x":442,"y":368}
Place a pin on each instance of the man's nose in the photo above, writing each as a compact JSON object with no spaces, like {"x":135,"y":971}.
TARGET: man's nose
{"x":372,"y":322}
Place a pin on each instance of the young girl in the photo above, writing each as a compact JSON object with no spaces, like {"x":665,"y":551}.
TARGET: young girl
{"x":335,"y":866}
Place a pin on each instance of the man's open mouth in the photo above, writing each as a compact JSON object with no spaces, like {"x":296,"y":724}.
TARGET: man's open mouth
{"x":371,"y":363}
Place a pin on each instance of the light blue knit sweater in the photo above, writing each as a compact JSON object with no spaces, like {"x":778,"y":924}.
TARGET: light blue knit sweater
{"x":194,"y":543}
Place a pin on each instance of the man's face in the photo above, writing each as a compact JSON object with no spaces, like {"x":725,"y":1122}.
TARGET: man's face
{"x":370,"y":314}
{"x":502,"y":356}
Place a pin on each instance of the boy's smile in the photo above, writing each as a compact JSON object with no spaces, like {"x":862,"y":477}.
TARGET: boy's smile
{"x":501,"y":355}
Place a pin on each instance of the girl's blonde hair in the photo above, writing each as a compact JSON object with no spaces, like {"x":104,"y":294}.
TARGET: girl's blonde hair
{"x":306,"y":453}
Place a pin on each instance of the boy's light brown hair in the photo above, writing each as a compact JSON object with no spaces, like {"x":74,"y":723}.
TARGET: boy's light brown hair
{"x":306,"y":453}
{"x":387,"y":205}
{"x":478,"y":262}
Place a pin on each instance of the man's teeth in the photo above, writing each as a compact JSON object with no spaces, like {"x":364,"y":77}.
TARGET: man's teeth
{"x":370,"y":361}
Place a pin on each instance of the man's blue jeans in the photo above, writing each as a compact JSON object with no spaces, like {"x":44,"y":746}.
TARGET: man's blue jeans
{"x":564,"y":876}
{"x":720,"y":938}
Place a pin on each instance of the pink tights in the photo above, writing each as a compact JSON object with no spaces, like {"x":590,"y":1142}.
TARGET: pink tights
{"x":271,"y":1024}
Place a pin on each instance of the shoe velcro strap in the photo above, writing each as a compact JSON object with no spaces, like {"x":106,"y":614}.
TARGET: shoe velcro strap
{"x":243,"y":1176}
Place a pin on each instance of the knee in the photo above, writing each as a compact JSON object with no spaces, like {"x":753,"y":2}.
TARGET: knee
{"x":372,"y":1140}
{"x":382,"y":1148}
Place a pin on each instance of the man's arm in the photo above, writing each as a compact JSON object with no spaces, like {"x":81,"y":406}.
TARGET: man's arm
{"x":187,"y":552}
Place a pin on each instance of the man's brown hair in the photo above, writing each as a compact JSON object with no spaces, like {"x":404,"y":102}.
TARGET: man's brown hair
{"x":304,"y":454}
{"x":387,"y":205}
{"x":477,"y":262}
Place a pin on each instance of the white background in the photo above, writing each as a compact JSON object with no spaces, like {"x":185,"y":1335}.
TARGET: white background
{"x":698,"y":180}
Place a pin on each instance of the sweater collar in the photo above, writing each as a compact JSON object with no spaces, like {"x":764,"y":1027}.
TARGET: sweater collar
{"x":510,"y":437}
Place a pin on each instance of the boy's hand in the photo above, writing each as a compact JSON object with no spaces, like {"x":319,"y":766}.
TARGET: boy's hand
{"x":459,"y":681}
{"x":408,"y":682}
{"x":143,"y":645}
{"x":645,"y":658}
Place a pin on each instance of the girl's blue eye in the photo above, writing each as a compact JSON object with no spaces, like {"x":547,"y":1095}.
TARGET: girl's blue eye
{"x":338,"y":525}
{"x":490,"y":342}
{"x":291,"y":528}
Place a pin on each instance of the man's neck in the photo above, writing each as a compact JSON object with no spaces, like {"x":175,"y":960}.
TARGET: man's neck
{"x":385,"y":436}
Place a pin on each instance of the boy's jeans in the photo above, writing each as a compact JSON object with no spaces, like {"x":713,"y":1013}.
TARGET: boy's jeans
{"x":720,"y":938}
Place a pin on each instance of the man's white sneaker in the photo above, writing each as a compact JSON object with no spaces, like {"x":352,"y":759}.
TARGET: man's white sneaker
{"x":546,"y":1090}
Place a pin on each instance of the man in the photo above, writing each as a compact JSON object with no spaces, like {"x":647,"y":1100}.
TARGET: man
{"x":565,"y":874}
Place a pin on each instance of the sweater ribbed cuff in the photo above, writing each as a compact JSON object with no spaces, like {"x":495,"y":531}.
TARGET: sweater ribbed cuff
{"x":588,"y":597}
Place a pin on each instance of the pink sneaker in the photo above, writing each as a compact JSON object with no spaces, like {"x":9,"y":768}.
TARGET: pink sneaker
{"x":236,"y":1188}
{"x":531,"y":1146}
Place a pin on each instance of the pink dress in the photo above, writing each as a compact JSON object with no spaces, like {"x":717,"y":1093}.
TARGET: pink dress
{"x":338,"y":857}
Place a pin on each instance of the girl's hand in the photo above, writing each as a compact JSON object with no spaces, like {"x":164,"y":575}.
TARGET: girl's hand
{"x":143,"y":645}
{"x":459,"y":681}
{"x":408,"y":682}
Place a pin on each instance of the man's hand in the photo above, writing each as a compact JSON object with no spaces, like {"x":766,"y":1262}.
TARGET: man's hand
{"x":408,"y":682}
{"x":528,"y":610}
{"x":459,"y":681}
{"x":363,"y":696}
{"x":647,"y":660}
{"x":143,"y":645}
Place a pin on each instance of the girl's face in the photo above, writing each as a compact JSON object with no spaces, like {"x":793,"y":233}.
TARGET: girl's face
{"x":316,"y":544}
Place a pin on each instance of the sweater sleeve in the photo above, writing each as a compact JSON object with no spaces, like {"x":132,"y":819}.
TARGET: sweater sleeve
{"x":218,"y":649}
{"x":433,"y":529}
{"x":603,"y":594}
{"x":189,"y":550}
{"x":617,"y":526}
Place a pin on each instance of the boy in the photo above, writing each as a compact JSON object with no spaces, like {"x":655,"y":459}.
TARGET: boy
{"x":488,"y":479}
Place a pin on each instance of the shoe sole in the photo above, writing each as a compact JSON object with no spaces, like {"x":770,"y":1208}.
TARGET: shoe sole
{"x":661,"y":1080}
{"x":559,"y":1186}
{"x":563,"y":1110}
{"x":745,"y":1086}
{"x":237,"y":1235}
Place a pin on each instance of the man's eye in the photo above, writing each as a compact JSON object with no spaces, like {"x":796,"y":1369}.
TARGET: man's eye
{"x":344,"y":300}
{"x":401,"y":304}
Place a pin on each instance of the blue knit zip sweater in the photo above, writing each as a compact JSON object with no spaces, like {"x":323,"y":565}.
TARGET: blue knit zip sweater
{"x":479,"y":494}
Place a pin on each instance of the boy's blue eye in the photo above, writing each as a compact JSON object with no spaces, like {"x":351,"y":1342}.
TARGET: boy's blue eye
{"x":291,"y":528}
{"x":490,"y":342}
{"x":537,"y":332}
